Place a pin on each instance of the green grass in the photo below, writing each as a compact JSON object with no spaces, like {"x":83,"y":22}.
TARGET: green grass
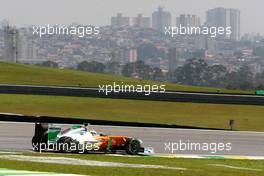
{"x":11,"y":73}
{"x":197,"y":167}
{"x":191,"y":114}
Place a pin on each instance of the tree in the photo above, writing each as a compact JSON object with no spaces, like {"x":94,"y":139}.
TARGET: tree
{"x":194,"y":72}
{"x":259,"y":80}
{"x":139,"y":69}
{"x":157,"y":74}
{"x":241,"y":79}
{"x":91,"y":66}
{"x":216,"y":76}
{"x":260,"y":87}
{"x":113,"y":67}
{"x":143,"y":70}
{"x":198,"y":73}
{"x":128,"y":69}
{"x":49,"y":64}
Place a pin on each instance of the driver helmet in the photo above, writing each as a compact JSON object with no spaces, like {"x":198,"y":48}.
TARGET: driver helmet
{"x":93,"y":132}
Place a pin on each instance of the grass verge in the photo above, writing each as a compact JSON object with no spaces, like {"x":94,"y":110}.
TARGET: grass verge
{"x":197,"y":167}
{"x":247,"y":117}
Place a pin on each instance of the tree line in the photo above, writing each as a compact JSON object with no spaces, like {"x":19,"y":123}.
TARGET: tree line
{"x":195,"y":72}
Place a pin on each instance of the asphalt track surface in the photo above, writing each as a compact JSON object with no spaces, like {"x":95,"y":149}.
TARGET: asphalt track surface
{"x":17,"y":137}
{"x":174,"y":96}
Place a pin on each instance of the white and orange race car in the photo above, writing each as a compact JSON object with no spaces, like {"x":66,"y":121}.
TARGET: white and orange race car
{"x":79,"y":138}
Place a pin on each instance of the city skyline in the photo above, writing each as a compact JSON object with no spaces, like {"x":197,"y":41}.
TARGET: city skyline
{"x":99,"y":13}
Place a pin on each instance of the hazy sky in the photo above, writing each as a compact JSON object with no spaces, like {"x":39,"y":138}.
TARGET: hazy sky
{"x":98,"y":12}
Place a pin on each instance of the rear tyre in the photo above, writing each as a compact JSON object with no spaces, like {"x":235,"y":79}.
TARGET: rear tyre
{"x":40,"y":142}
{"x":132,"y":146}
{"x":68,"y":145}
{"x":35,"y":144}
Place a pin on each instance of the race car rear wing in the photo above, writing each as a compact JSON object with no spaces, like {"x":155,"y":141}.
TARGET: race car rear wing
{"x":40,"y":130}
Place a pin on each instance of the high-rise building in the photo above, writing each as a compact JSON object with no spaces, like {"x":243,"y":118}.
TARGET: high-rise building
{"x":132,"y":55}
{"x":142,"y":22}
{"x":120,"y":20}
{"x":216,"y":17}
{"x":234,"y":22}
{"x":161,"y":19}
{"x":26,"y":46}
{"x":4,"y":23}
{"x":225,"y":17}
{"x":188,"y":20}
{"x":173,"y":61}
{"x":10,"y":44}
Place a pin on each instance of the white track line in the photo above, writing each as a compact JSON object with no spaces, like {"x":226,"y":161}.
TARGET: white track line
{"x":30,"y":173}
{"x":82,"y":162}
{"x":235,"y":167}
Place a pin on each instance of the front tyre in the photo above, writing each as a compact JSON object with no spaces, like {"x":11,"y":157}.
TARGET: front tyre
{"x":132,"y":146}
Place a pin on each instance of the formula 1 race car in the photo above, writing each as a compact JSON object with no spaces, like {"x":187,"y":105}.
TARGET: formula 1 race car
{"x":78,"y":138}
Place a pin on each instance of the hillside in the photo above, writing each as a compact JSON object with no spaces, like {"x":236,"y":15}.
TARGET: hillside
{"x":11,"y":73}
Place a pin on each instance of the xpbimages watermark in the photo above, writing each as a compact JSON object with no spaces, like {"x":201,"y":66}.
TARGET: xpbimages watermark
{"x":197,"y":30}
{"x":187,"y":145}
{"x":125,"y":88}
{"x":68,"y":147}
{"x":80,"y":30}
